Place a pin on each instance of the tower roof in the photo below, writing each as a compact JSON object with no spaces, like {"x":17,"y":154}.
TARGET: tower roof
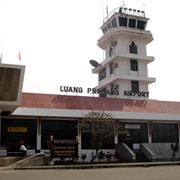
{"x":125,"y":17}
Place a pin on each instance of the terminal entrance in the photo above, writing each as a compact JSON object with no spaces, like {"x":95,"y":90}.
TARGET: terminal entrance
{"x":14,"y":136}
{"x":137,"y":134}
{"x":13,"y":139}
{"x":15,"y":130}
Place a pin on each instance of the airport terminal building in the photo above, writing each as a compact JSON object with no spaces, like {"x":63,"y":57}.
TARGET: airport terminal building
{"x":123,"y":90}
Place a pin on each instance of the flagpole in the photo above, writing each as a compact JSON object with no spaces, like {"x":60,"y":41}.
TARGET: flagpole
{"x":19,"y":57}
{"x":1,"y":58}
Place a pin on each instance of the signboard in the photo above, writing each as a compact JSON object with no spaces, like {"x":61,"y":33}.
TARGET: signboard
{"x":132,"y":126}
{"x":114,"y":91}
{"x":64,"y":149}
{"x":17,"y":129}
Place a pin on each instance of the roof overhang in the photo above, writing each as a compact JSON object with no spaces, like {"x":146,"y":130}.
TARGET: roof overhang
{"x":120,"y":115}
{"x":123,"y":31}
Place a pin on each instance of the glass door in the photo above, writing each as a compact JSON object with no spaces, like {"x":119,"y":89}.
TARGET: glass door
{"x":13,"y":140}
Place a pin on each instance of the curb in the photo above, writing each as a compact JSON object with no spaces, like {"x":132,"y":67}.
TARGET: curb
{"x":96,"y":166}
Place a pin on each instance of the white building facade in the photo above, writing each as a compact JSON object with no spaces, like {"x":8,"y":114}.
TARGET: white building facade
{"x":124,"y":71}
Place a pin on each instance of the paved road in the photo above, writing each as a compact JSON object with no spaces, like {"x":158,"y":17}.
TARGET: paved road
{"x":133,"y":173}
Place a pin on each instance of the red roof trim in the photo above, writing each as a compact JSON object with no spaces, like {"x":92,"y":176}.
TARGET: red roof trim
{"x":51,"y":101}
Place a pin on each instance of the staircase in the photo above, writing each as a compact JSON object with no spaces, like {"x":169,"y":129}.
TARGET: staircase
{"x":140,"y":157}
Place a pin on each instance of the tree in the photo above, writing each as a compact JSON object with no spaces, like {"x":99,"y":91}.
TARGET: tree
{"x":101,"y":125}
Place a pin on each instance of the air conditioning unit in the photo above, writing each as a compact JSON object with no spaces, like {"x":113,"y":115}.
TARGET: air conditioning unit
{"x":115,"y":65}
{"x":116,"y":86}
{"x":113,"y":43}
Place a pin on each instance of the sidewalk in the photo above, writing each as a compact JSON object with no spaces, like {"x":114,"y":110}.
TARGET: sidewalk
{"x":95,"y":166}
{"x":13,"y":166}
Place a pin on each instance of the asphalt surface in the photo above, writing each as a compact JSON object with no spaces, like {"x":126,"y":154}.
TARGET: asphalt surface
{"x":125,"y":173}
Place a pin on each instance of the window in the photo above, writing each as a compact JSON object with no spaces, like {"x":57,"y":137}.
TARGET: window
{"x":11,"y":139}
{"x":114,"y":23}
{"x":109,"y":26}
{"x":134,"y":65}
{"x":132,"y":23}
{"x":135,"y":86}
{"x":59,"y":129}
{"x":110,"y":51}
{"x":135,"y":135}
{"x":111,"y":68}
{"x":104,"y":30}
{"x":165,"y":132}
{"x":133,"y":48}
{"x":102,"y":74}
{"x":141,"y":24}
{"x":122,"y":21}
{"x":108,"y":142}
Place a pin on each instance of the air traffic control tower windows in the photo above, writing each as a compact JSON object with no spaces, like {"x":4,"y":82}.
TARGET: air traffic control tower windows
{"x":132,"y":23}
{"x":114,"y":23}
{"x":122,"y":21}
{"x":141,"y":24}
{"x":126,"y":18}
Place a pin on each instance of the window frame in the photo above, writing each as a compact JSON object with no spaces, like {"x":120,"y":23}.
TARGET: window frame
{"x":111,"y":68}
{"x":110,"y":51}
{"x":133,"y":48}
{"x":102,"y":74}
{"x":135,"y":86}
{"x":133,"y":65}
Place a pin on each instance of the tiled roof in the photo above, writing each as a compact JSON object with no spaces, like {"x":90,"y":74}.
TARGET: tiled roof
{"x":51,"y":101}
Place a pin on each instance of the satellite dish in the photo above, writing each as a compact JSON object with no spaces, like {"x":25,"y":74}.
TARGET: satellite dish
{"x":94,"y":63}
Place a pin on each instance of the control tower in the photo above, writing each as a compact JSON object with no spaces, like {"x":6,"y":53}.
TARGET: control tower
{"x":124,"y":71}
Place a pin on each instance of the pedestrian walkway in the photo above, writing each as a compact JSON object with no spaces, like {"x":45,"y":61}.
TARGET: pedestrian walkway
{"x":93,"y":166}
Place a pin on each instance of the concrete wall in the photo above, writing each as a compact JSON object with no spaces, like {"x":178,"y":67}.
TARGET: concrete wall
{"x":147,"y":152}
{"x":125,"y":153}
{"x":11,"y":83}
{"x":162,"y":151}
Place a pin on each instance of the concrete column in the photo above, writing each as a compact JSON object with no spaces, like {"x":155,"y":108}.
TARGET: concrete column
{"x":150,"y":127}
{"x":79,"y":139}
{"x":116,"y":139}
{"x":0,"y":125}
{"x":179,"y":130}
{"x":150,"y":139}
{"x":39,"y":134}
{"x":116,"y":124}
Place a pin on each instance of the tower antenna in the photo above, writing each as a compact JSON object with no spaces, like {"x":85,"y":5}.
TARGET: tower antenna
{"x":122,"y":4}
{"x":107,"y":11}
{"x":103,"y":11}
{"x":144,"y":9}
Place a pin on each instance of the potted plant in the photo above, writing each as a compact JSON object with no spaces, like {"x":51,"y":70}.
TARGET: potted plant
{"x":83,"y":157}
{"x":108,"y":156}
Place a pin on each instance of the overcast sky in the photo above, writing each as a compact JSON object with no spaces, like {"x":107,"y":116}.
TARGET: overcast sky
{"x":58,"y":38}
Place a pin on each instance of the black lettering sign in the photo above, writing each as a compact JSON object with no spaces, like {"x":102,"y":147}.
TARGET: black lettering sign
{"x":135,"y":93}
{"x":71,"y":89}
{"x":64,"y":149}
